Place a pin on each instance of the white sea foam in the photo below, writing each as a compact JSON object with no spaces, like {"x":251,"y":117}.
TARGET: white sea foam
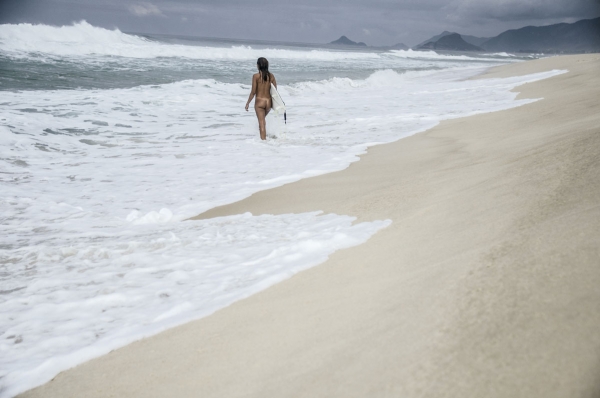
{"x":96,"y":185}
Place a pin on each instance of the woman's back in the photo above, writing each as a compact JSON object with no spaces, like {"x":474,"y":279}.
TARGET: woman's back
{"x":263,"y":88}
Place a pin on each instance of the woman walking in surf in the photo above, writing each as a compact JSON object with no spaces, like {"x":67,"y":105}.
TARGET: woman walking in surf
{"x":261,"y":87}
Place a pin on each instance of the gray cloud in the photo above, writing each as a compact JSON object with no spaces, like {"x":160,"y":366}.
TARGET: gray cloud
{"x":144,"y":9}
{"x":377,"y":22}
{"x":519,"y":10}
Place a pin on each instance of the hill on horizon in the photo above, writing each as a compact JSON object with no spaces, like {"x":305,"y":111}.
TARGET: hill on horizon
{"x":451,"y":42}
{"x":580,"y":36}
{"x":344,"y":41}
{"x":474,"y":40}
{"x":399,"y":46}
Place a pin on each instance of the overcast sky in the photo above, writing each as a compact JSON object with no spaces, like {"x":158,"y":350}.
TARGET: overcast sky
{"x":376,"y":22}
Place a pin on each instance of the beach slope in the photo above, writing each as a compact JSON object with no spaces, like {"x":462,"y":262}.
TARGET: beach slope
{"x":484,"y":285}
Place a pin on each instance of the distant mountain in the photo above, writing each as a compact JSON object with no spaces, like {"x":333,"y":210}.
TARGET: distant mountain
{"x":399,"y":46}
{"x":347,"y":42}
{"x":451,"y":42}
{"x":433,"y":39}
{"x":476,"y":41}
{"x":580,"y":36}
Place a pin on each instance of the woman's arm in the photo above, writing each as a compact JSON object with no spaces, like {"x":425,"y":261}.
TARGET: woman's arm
{"x":252,"y":93}
{"x":274,"y":80}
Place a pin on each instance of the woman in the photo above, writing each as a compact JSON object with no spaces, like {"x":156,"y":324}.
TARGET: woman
{"x":261,"y":87}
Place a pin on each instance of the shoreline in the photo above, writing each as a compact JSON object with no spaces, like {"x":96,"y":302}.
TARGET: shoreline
{"x":390,"y":315}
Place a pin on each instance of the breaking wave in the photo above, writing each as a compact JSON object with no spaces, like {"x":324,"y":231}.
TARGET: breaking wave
{"x":83,"y":39}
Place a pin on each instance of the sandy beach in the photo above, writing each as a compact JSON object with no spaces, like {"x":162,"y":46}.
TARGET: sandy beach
{"x":484,"y":285}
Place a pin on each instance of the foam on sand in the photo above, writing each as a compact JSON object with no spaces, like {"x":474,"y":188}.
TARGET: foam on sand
{"x":98,"y":291}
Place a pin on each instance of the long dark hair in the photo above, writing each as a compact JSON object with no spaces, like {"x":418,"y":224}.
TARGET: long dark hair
{"x":263,"y":68}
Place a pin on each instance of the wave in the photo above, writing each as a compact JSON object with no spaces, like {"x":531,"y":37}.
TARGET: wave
{"x":385,"y":78}
{"x":83,"y":39}
{"x":503,"y":54}
{"x":427,"y":55}
{"x":432,"y":55}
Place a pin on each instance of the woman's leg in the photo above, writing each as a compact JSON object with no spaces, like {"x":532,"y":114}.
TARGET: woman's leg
{"x":261,"y":113}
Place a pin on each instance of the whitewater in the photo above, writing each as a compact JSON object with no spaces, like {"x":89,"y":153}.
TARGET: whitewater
{"x":110,"y":142}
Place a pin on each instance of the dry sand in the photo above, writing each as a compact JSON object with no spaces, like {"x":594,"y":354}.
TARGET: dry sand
{"x":487,"y":283}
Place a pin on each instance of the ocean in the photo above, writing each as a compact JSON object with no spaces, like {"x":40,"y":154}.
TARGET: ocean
{"x":110,"y":141}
